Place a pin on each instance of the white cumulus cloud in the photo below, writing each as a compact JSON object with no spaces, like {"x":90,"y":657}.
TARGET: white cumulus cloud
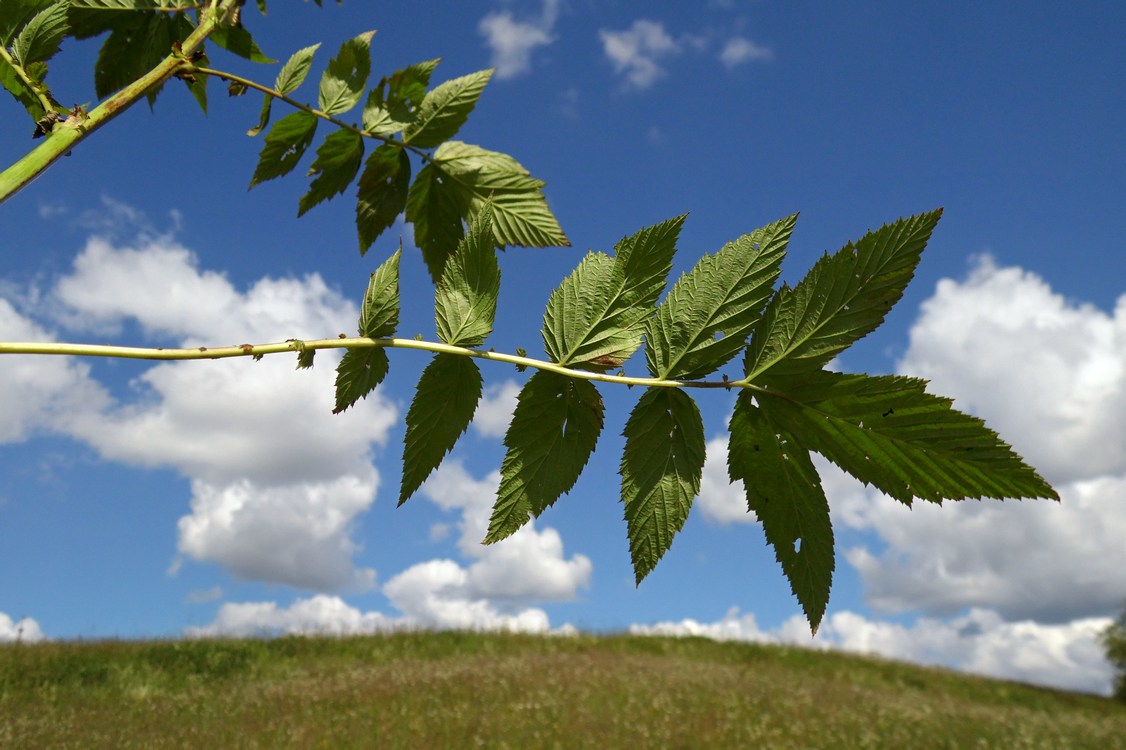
{"x":298,"y":534}
{"x":637,"y":52}
{"x":24,"y":630}
{"x":739,"y":50}
{"x":1026,"y":559}
{"x":720,"y":499}
{"x":512,"y":42}
{"x":496,"y":590}
{"x":277,"y":480}
{"x":1048,"y":374}
{"x":494,"y":411}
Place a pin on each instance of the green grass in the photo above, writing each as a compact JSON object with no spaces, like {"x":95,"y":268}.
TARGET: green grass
{"x":458,"y":690}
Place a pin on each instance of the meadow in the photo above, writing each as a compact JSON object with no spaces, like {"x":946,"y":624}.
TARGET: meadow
{"x":465,"y":690}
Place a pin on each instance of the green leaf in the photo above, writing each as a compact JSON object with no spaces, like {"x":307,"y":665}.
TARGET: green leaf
{"x":197,"y":85}
{"x":843,"y":298}
{"x":465,"y":303}
{"x":520,"y":212}
{"x":889,"y":432}
{"x":89,"y":18}
{"x":290,"y":77}
{"x":39,"y":40}
{"x":445,"y":109}
{"x":296,"y":68}
{"x":343,"y":82}
{"x":574,"y":327}
{"x":338,"y":160}
{"x":305,"y":358}
{"x":15,"y":15}
{"x":379,"y":314}
{"x":285,"y":145}
{"x":263,"y":116}
{"x":646,"y":259}
{"x":441,"y":411}
{"x":393,"y":104}
{"x":454,"y":186}
{"x":710,"y":311}
{"x":237,"y":40}
{"x":19,"y":88}
{"x":785,"y":493}
{"x":661,"y":469}
{"x":596,"y":317}
{"x":357,"y":375}
{"x":435,"y":211}
{"x":382,"y":193}
{"x":137,"y":43}
{"x":553,"y":432}
{"x":126,"y":5}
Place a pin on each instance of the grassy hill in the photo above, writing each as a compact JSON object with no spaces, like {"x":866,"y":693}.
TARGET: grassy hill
{"x":459,"y":690}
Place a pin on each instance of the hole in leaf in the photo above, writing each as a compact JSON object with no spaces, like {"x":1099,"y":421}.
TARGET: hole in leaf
{"x":797,"y":546}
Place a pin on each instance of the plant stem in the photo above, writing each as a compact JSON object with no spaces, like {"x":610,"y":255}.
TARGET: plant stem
{"x":297,"y":345}
{"x":306,"y":108}
{"x":76,"y":127}
{"x":44,"y":100}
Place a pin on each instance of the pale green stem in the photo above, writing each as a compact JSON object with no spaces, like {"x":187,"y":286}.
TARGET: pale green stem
{"x":44,"y":101}
{"x":76,"y":127}
{"x":306,"y":108}
{"x":296,"y":345}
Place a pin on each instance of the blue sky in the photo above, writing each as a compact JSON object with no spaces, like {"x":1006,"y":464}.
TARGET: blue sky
{"x":141,"y":500}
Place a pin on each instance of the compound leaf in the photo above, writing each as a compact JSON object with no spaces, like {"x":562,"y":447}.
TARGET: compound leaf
{"x":441,"y":411}
{"x":382,"y":192}
{"x":661,"y":469}
{"x":889,"y":432}
{"x":710,"y":311}
{"x":445,"y":109}
{"x":338,"y":160}
{"x":343,"y":81}
{"x":285,"y":144}
{"x":465,"y":303}
{"x":784,"y":492}
{"x":553,"y":432}
{"x":843,"y":298}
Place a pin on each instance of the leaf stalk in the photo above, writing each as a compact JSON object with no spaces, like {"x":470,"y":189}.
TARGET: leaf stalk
{"x":232,"y":78}
{"x":298,"y":345}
